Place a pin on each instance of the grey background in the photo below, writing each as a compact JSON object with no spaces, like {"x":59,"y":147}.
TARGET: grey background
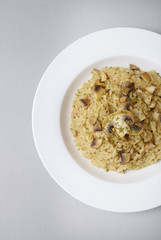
{"x":32,"y":205}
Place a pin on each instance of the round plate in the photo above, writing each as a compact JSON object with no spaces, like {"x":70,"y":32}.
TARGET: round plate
{"x":133,"y":191}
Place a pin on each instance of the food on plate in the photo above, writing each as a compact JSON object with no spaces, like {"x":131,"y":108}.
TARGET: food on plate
{"x":116,"y":118}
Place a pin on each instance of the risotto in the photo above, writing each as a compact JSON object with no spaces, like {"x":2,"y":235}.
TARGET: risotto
{"x":116,"y":118}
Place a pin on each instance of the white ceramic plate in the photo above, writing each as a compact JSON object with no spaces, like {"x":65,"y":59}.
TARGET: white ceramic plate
{"x":133,"y":191}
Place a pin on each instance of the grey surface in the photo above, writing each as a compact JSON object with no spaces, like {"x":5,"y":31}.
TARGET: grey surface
{"x":32,"y":205}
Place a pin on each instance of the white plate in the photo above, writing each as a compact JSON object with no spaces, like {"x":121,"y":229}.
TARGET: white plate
{"x":133,"y":191}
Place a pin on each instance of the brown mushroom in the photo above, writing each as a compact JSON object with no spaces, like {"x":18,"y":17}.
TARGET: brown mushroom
{"x":126,"y":137}
{"x":136,"y":129}
{"x":125,"y":106}
{"x":123,"y":115}
{"x":146,"y":77}
{"x":125,"y":158}
{"x":125,"y":90}
{"x":128,"y":117}
{"x":97,"y":126}
{"x":85,"y":101}
{"x":99,"y":91}
{"x":129,"y":85}
{"x":92,"y":120}
{"x":96,"y":143}
{"x":110,"y":127}
{"x":120,"y":120}
{"x":134,"y":67}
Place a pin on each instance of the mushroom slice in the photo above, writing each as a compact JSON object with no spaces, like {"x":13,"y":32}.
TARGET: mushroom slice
{"x":99,"y":91}
{"x":97,"y":126}
{"x":134,"y":67}
{"x":126,"y":137}
{"x":125,"y":106}
{"x":85,"y":101}
{"x":123,"y":114}
{"x":100,"y":84}
{"x":127,"y":116}
{"x":120,"y":121}
{"x":110,"y":127}
{"x":129,"y":85}
{"x":157,"y":116}
{"x":121,"y":127}
{"x":104,"y":76}
{"x":145,"y":76}
{"x":92,"y":120}
{"x":150,"y":89}
{"x":96,"y":143}
{"x":135,"y":129}
{"x":125,"y":90}
{"x":149,"y":145}
{"x":125,"y":158}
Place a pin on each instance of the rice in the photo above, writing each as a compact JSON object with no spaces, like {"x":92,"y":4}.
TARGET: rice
{"x":116,"y":118}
